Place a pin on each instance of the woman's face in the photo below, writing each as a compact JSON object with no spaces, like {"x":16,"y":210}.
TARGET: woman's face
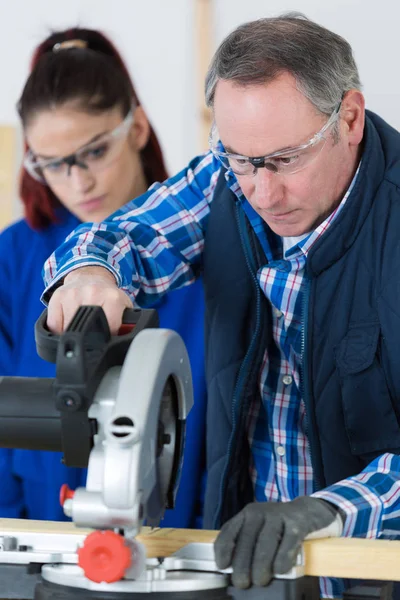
{"x":108,"y":172}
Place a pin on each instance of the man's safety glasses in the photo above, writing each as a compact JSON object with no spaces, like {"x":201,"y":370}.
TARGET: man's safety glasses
{"x":92,"y":157}
{"x":284,"y":162}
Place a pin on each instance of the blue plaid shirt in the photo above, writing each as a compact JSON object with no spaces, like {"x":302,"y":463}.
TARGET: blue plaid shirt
{"x":155,"y":244}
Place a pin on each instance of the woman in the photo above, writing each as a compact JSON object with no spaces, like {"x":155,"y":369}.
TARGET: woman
{"x":89,"y":150}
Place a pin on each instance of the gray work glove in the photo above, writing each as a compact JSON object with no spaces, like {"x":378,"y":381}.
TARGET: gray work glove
{"x":265,"y":538}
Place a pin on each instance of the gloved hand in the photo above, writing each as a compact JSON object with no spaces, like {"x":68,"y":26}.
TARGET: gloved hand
{"x":265,"y":538}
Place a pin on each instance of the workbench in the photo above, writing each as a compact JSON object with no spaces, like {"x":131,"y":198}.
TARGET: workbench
{"x":336,"y":557}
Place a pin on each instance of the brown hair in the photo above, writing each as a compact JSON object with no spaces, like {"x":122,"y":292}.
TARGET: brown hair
{"x":94,"y":74}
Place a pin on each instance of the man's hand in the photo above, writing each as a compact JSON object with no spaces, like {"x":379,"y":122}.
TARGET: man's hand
{"x":265,"y":538}
{"x":87,"y":286}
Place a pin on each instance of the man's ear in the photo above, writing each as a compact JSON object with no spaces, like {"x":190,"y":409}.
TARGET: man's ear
{"x":140,"y":130}
{"x":352,"y":113}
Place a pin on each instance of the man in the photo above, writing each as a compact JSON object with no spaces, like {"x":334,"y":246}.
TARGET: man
{"x":293,"y":216}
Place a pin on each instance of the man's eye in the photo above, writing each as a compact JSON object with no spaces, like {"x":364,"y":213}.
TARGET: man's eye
{"x":287,"y":160}
{"x":240,"y":161}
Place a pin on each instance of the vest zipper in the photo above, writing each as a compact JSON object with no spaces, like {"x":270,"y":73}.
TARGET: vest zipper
{"x":240,"y":218}
{"x":304,"y":382}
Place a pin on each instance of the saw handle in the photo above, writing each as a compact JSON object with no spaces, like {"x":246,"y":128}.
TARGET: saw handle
{"x":88,"y":316}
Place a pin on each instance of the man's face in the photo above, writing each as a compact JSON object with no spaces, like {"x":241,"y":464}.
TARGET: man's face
{"x":257,"y":120}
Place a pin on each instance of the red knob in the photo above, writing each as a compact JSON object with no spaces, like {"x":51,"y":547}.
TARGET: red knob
{"x":65,"y":493}
{"x":104,"y":557}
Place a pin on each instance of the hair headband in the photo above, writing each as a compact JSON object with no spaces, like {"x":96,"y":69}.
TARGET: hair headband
{"x":69,"y":44}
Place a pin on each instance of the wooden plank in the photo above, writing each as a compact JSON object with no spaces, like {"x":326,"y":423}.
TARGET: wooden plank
{"x":28,"y":526}
{"x":165,"y":541}
{"x":353,"y":558}
{"x":204,"y":51}
{"x":158,"y":541}
{"x":8,"y":153}
{"x":335,"y":557}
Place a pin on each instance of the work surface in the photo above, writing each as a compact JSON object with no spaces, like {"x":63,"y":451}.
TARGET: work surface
{"x":336,"y":557}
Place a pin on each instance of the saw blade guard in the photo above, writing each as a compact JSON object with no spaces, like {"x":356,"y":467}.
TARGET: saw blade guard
{"x":140,"y":410}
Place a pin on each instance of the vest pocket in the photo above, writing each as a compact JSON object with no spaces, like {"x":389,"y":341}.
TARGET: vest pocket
{"x":370,"y":419}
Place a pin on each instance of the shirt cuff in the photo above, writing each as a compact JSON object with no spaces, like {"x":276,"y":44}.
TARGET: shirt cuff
{"x":72,"y":265}
{"x":360,"y":506}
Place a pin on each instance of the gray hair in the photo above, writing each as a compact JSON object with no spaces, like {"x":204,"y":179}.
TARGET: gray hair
{"x":321,"y":61}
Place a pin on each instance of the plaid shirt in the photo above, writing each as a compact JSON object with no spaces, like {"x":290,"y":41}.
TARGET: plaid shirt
{"x":154,"y":244}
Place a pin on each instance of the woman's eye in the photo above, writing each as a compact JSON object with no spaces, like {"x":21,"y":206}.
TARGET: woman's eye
{"x":53,"y":166}
{"x":95,"y":153}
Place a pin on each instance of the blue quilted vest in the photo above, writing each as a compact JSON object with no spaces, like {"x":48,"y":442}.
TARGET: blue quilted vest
{"x":351,"y":362}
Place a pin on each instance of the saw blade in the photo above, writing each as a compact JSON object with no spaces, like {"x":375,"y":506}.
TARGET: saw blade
{"x":166,"y":449}
{"x":166,"y":440}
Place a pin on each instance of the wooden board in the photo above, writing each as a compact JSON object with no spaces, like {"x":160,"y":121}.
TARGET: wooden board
{"x":335,"y":557}
{"x":203,"y":21}
{"x":8,"y":154}
{"x":353,"y":558}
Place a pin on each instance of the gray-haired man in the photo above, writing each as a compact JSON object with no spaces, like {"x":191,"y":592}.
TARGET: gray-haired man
{"x":293,"y":217}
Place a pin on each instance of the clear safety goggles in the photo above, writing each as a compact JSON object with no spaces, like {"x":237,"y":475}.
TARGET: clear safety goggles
{"x":284,"y":162}
{"x":92,"y":157}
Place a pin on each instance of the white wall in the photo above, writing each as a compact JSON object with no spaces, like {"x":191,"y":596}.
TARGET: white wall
{"x":154,"y":36}
{"x":371,"y":27}
{"x":157,"y":39}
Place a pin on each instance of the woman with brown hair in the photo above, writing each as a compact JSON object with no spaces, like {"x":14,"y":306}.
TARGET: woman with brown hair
{"x":89,"y":150}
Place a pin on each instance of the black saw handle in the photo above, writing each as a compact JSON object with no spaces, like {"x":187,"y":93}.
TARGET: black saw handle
{"x":133,"y":321}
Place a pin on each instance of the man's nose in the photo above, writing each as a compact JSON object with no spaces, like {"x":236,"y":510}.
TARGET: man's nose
{"x":81,"y":179}
{"x":268,"y":188}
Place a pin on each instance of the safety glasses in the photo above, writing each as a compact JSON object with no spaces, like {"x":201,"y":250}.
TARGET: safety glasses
{"x":284,"y":162}
{"x":92,"y":157}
